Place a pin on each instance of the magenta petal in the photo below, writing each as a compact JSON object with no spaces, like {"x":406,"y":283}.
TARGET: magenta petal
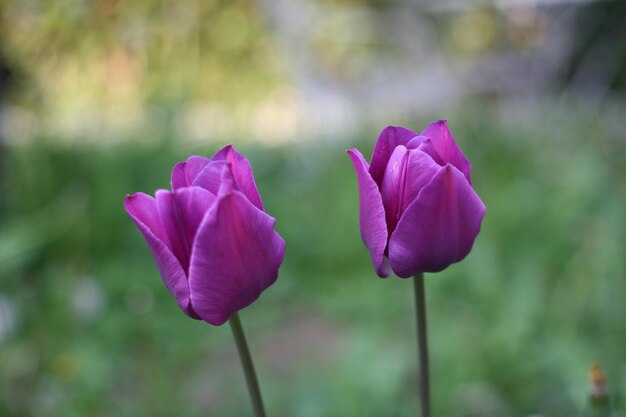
{"x":179,"y":176}
{"x":181,"y":212}
{"x":143,"y":211}
{"x":425,"y":145}
{"x":408,"y":171}
{"x":388,"y":140}
{"x":428,"y":148}
{"x":236,"y":255}
{"x":184,"y":173}
{"x":439,"y":227}
{"x":192,"y":203}
{"x":217,"y":177}
{"x":194,"y":165}
{"x":210,"y":177}
{"x":371,"y":213}
{"x":170,"y":220}
{"x":415,"y":142}
{"x":242,"y":173}
{"x":447,"y":148}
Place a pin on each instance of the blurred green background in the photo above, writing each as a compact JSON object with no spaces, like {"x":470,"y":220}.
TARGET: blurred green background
{"x":101,"y":98}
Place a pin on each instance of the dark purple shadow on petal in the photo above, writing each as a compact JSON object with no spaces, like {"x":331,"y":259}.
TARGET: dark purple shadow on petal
{"x":447,"y":148}
{"x":371,"y":213}
{"x":428,"y":148}
{"x":408,"y":171}
{"x":439,"y":227}
{"x":171,"y":220}
{"x":236,"y":256}
{"x":143,"y":211}
{"x":388,"y":140}
{"x":181,"y":212}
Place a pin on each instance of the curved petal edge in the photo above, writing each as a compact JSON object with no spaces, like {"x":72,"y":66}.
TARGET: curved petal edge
{"x":235,"y":257}
{"x":389,"y":138}
{"x":439,"y":227}
{"x":371,"y":213}
{"x":447,"y":148}
{"x":143,"y":211}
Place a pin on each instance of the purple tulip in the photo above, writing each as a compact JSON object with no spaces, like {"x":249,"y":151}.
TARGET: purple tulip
{"x":418,"y":210}
{"x":215,"y":247}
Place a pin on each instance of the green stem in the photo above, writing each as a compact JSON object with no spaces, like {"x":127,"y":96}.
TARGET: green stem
{"x":247,"y":365}
{"x":422,"y":342}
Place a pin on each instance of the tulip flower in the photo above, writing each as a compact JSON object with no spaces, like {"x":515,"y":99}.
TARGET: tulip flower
{"x":418,"y":213}
{"x":418,"y":210}
{"x":214,"y":246}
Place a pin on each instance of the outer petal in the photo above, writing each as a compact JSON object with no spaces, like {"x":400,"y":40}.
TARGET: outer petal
{"x":445,"y":145}
{"x":242,"y":172}
{"x":388,"y":140}
{"x":181,"y":212}
{"x":371,"y":213}
{"x":408,"y":171}
{"x":236,"y":255}
{"x":439,"y":227}
{"x":143,"y":211}
{"x":184,"y":173}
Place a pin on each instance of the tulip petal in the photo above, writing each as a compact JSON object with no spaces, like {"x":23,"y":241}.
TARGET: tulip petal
{"x":210,"y":177}
{"x":388,"y":140}
{"x":181,"y":212}
{"x":142,"y":209}
{"x":371,"y":214}
{"x":424,"y":144}
{"x":184,"y":173}
{"x":439,"y":227}
{"x":194,"y":165}
{"x":192,"y":203}
{"x":242,"y":173}
{"x":236,"y":255}
{"x":408,"y":171}
{"x":415,"y":142}
{"x":179,"y":176}
{"x":447,"y":148}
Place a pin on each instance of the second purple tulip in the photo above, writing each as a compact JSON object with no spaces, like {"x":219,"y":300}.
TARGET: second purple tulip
{"x":418,"y":210}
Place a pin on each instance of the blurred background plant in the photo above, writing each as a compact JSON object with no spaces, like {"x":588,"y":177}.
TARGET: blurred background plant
{"x":100,"y":98}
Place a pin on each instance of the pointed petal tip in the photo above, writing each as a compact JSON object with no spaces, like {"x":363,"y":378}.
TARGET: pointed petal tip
{"x":127,"y":202}
{"x":228,"y":148}
{"x":388,"y":127}
{"x":355,"y":153}
{"x":131,"y":199}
